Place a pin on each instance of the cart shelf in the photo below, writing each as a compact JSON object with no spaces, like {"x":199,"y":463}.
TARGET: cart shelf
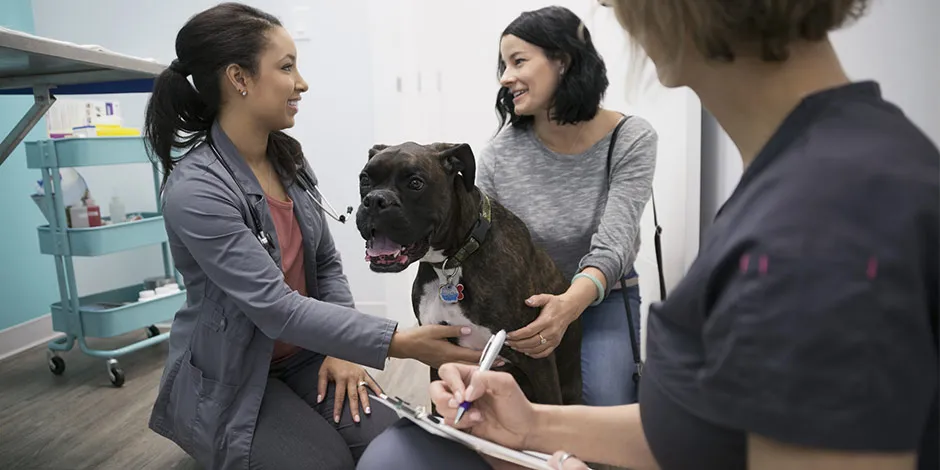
{"x":106,"y":239}
{"x":115,"y":312}
{"x":85,"y":151}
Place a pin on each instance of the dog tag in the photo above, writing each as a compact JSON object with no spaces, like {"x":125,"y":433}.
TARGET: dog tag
{"x":451,"y":294}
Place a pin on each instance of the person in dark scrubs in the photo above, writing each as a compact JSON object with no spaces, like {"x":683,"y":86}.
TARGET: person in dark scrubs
{"x":805,"y":333}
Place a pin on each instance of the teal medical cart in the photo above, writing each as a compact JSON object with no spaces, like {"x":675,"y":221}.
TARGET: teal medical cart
{"x":31,"y":65}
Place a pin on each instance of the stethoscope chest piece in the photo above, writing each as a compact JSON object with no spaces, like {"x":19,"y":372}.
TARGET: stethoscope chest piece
{"x":342,"y":217}
{"x":303,"y":179}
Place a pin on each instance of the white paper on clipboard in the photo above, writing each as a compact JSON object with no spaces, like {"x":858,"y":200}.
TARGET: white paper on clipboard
{"x":433,"y":425}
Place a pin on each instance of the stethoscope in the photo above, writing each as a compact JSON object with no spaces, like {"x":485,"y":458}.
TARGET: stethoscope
{"x":306,"y":184}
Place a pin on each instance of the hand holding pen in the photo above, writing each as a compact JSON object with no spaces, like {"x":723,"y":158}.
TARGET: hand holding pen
{"x":500,"y":412}
{"x":490,"y":353}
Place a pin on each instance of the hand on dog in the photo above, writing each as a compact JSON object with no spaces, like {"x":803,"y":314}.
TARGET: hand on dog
{"x":558,"y":311}
{"x":347,"y":377}
{"x":429,"y":344}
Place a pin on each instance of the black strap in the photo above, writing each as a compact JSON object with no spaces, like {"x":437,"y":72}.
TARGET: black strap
{"x":634,"y":341}
{"x":657,"y":242}
{"x":475,"y":238}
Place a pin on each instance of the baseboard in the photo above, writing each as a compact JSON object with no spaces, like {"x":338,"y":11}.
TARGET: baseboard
{"x":18,"y":338}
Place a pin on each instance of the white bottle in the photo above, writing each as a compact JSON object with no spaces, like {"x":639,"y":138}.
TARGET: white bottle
{"x":116,"y":208}
{"x":78,"y":216}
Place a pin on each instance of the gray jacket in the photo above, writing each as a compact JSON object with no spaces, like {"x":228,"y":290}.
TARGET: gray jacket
{"x":237,"y":304}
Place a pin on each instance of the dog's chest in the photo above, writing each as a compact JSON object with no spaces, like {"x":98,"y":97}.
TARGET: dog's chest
{"x":433,"y":310}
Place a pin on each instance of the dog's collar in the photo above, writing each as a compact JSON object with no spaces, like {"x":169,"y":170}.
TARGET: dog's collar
{"x":474,"y":239}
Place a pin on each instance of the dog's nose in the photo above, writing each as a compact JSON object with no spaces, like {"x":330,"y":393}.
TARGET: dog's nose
{"x":378,"y":200}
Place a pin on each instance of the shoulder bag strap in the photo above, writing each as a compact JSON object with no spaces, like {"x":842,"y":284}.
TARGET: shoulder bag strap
{"x":657,"y":237}
{"x":634,"y":341}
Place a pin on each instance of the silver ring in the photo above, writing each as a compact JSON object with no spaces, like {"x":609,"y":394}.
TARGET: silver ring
{"x":542,"y":339}
{"x":564,"y":456}
{"x":363,"y":383}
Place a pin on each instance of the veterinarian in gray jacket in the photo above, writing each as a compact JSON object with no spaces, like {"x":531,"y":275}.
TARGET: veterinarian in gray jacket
{"x":223,"y":398}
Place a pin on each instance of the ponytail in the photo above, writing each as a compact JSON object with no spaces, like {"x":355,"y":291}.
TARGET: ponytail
{"x":286,"y":154}
{"x":176,"y":118}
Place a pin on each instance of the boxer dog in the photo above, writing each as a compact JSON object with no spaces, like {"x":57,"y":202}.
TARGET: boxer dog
{"x":478,"y":263}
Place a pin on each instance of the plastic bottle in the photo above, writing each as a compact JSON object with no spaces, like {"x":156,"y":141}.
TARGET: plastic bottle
{"x":94,"y":212}
{"x":78,"y":216}
{"x":117,"y":211}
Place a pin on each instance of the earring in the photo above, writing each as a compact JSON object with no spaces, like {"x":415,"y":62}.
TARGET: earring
{"x":562,"y":71}
{"x":244,"y":92}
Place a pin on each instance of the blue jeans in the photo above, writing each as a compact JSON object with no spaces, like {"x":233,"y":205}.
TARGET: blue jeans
{"x":607,"y":365}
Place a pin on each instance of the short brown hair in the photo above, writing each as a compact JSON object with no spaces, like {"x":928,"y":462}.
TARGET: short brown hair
{"x":719,"y":29}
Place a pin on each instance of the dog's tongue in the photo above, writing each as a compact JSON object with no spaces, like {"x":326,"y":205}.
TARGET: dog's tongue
{"x":382,"y":246}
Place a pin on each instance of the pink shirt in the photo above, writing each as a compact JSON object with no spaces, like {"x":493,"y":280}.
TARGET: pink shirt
{"x":292,"y":259}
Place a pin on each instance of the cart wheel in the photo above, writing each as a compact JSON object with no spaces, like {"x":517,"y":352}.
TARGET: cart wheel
{"x":115,"y":373}
{"x":57,"y":365}
{"x":152,"y":331}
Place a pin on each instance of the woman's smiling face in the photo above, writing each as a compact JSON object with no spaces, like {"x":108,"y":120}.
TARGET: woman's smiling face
{"x":277,"y":85}
{"x":529,"y":74}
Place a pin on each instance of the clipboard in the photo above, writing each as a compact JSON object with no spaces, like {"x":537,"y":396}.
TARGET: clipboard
{"x":436,"y":426}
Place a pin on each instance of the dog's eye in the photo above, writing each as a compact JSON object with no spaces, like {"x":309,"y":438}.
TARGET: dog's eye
{"x":415,"y":184}
{"x":364,"y":180}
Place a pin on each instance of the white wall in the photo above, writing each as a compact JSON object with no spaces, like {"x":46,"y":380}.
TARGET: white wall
{"x":895,"y":43}
{"x":443,"y":54}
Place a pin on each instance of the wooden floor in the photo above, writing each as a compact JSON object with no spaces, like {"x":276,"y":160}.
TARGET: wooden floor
{"x":80,"y":421}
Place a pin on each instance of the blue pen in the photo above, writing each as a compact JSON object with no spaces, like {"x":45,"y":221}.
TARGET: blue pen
{"x":490,"y":353}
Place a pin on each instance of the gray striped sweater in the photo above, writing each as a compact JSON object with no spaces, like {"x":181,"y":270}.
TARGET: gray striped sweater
{"x":564,"y":199}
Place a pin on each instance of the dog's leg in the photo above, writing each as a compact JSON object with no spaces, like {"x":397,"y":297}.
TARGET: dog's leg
{"x":522,"y":379}
{"x":568,"y":361}
{"x":541,"y":374}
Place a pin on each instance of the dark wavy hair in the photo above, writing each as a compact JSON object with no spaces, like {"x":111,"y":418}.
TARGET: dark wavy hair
{"x":178,"y":116}
{"x":562,"y":36}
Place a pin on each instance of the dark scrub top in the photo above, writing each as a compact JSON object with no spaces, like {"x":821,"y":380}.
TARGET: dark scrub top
{"x":810,"y":315}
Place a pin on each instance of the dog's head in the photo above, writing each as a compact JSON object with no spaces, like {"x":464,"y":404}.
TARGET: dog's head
{"x":407,"y":193}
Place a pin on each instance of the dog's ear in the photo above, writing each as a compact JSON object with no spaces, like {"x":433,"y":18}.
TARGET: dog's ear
{"x":376,"y":149}
{"x":458,"y":158}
